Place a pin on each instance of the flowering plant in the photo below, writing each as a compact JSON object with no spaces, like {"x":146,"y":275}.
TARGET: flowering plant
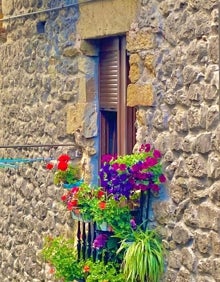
{"x":93,"y":203}
{"x":124,"y":175}
{"x":65,"y":172}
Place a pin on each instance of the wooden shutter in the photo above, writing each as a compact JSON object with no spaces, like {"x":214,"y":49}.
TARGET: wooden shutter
{"x":109,"y":73}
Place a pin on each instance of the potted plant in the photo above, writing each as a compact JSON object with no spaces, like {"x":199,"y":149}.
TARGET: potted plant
{"x":60,"y":253}
{"x":66,"y":173}
{"x":144,"y":256}
{"x":99,"y":271}
{"x":123,"y":176}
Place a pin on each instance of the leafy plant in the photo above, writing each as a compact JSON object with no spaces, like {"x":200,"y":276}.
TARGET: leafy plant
{"x":60,"y":253}
{"x":124,"y":175}
{"x":99,"y":271}
{"x":65,"y":171}
{"x":144,"y":257}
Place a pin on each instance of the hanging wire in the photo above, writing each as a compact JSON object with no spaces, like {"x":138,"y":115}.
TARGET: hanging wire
{"x":46,"y":10}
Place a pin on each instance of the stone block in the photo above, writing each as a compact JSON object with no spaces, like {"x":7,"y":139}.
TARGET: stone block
{"x":175,"y":259}
{"x":215,"y":193}
{"x":205,"y":212}
{"x":134,"y":73}
{"x":189,"y":259}
{"x":101,"y":18}
{"x":202,"y":242}
{"x":196,"y":165}
{"x":213,"y":49}
{"x":71,"y":51}
{"x":82,"y":117}
{"x":215,"y":243}
{"x":203,"y":143}
{"x":88,"y":48}
{"x":212,"y":117}
{"x":140,"y":95}
{"x":140,"y":40}
{"x":181,"y":234}
{"x":213,"y":165}
{"x":149,"y":64}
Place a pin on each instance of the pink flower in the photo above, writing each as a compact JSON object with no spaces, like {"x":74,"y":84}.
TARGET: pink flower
{"x":107,"y":158}
{"x":155,"y":187}
{"x":157,"y":154}
{"x":150,"y":162}
{"x":119,"y":166}
{"x":162,"y":178}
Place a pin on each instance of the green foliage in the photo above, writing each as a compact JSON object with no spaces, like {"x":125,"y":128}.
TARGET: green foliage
{"x":70,"y":175}
{"x":61,"y":254}
{"x":116,"y":216}
{"x":144,"y":257}
{"x":99,"y":271}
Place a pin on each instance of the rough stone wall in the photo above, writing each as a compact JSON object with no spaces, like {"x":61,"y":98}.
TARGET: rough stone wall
{"x":173,"y":48}
{"x":48,"y":94}
{"x":41,"y":75}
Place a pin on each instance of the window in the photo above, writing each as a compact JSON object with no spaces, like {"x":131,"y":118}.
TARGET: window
{"x":117,"y":133}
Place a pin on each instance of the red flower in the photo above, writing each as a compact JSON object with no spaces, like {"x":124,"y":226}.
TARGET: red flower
{"x":64,"y":158}
{"x":49,"y":166}
{"x":62,"y":165}
{"x":86,"y":268}
{"x":100,"y":194}
{"x":64,"y":198}
{"x":52,"y":270}
{"x":162,"y":178}
{"x":72,"y":204}
{"x":102,"y":205}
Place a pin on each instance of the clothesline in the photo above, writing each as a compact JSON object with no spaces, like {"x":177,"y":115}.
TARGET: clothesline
{"x":13,"y":163}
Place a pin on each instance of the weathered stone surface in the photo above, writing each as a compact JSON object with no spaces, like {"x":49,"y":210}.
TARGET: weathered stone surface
{"x":203,"y":243}
{"x":140,"y":41}
{"x":215,"y":193}
{"x":140,"y":95}
{"x":196,"y":165}
{"x":97,"y":20}
{"x":214,"y":165}
{"x":205,"y":212}
{"x":181,"y":234}
{"x":175,"y":259}
{"x":189,"y":259}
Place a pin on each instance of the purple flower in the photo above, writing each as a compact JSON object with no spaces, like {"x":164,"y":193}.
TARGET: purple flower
{"x":133,"y":224}
{"x":100,"y":241}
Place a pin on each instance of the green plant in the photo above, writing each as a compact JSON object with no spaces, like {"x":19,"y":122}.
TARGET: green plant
{"x":99,"y":271}
{"x":143,"y":259}
{"x":110,"y":211}
{"x":65,"y":172}
{"x":60,"y":253}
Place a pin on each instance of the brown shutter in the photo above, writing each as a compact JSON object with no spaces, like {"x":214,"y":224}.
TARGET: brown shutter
{"x":109,"y":73}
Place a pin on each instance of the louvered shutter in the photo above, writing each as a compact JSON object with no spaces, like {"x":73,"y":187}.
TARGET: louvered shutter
{"x":109,"y":73}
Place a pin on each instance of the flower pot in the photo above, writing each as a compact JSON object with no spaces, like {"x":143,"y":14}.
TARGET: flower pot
{"x":77,"y":216}
{"x":103,"y":227}
{"x":72,"y":185}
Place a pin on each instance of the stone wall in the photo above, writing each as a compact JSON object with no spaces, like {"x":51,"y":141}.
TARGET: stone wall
{"x":48,"y":94}
{"x":173,"y":48}
{"x":41,"y":74}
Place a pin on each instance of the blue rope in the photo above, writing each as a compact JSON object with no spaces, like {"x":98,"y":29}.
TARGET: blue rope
{"x":13,"y":163}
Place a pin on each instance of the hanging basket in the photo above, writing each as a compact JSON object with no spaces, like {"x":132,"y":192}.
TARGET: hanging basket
{"x":69,"y":186}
